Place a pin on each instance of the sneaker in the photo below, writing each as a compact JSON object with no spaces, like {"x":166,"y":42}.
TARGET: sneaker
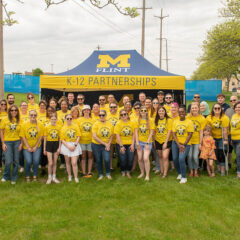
{"x":55,"y":180}
{"x":109,"y":177}
{"x":49,"y":181}
{"x":100,"y":178}
{"x":76,"y":180}
{"x":154,"y":169}
{"x":3,"y":180}
{"x":183,"y":180}
{"x":222,"y":174}
{"x":157,"y":171}
{"x":21,"y":170}
{"x":69,"y":178}
{"x":12,"y":182}
{"x":179,"y":177}
{"x":62,"y":166}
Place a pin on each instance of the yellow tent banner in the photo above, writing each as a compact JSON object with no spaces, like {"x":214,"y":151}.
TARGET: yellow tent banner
{"x":112,"y":82}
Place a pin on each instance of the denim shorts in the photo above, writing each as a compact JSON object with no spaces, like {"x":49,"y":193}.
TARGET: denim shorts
{"x":142,"y":145}
{"x":86,"y":147}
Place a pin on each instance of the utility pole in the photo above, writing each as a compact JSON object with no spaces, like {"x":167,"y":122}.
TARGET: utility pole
{"x":143,"y":26}
{"x":166,"y":59}
{"x":1,"y":53}
{"x":161,"y":22}
{"x":98,"y":47}
{"x":51,"y":67}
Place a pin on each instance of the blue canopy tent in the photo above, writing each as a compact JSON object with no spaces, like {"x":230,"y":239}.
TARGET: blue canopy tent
{"x":124,"y":72}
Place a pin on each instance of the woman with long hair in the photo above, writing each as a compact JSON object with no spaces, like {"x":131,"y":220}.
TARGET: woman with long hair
{"x":182,"y":132}
{"x":70,"y":147}
{"x":75,"y":112}
{"x":11,"y":144}
{"x":144,"y":129}
{"x":63,"y":110}
{"x":154,"y":108}
{"x":42,"y":113}
{"x":31,"y":102}
{"x":124,"y":131}
{"x":163,"y":140}
{"x":53,"y":103}
{"x":3,"y":114}
{"x":199,"y":123}
{"x":219,"y":123}
{"x":32,"y":134}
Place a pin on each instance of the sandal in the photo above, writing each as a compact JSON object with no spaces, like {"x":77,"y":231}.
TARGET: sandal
{"x":34,"y":178}
{"x":27,"y":179}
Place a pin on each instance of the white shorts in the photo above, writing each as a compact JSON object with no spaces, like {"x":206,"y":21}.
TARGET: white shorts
{"x":66,"y":152}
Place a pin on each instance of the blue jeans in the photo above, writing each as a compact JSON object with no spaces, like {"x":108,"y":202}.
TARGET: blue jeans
{"x":126,"y":159}
{"x":32,"y":158}
{"x":100,"y":153}
{"x":155,"y":154}
{"x":193,"y":160}
{"x":11,"y":156}
{"x":179,"y":158}
{"x":236,"y":145}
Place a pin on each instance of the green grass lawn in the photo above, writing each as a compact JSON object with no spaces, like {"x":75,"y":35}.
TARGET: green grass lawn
{"x":121,"y":209}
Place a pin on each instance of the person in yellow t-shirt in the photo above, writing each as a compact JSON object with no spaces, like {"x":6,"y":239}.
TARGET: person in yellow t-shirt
{"x":11,"y":144}
{"x":85,"y":124}
{"x":168,"y":102}
{"x":50,"y":111}
{"x":24,"y":114}
{"x":111,"y":99}
{"x":53,"y":103}
{"x":144,"y":129}
{"x":136,"y":113}
{"x":163,"y":139}
{"x":113,"y":117}
{"x":31,"y":102}
{"x":80,"y":102}
{"x":154,"y":109}
{"x":174,"y":111}
{"x":102,"y":132}
{"x":42,"y":111}
{"x":102,"y":103}
{"x":219,"y":123}
{"x":76,"y":113}
{"x":51,"y":146}
{"x":32,"y":134}
{"x":70,"y":147}
{"x":182,"y":132}
{"x":199,"y":123}
{"x":124,"y":130}
{"x":235,"y":135}
{"x":64,"y":110}
{"x":95,"y":112}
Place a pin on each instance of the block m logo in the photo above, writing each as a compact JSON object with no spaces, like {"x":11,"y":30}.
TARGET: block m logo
{"x":121,"y":61}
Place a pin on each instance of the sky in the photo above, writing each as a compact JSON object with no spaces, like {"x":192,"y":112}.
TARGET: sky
{"x":64,"y":35}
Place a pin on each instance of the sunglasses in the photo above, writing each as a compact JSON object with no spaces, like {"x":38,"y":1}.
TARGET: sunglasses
{"x":69,"y":119}
{"x":30,"y":97}
{"x":101,"y":115}
{"x":13,"y":110}
{"x":196,"y":96}
{"x":3,"y":104}
{"x":80,"y":98}
{"x":155,"y":102}
{"x":33,"y":115}
{"x":102,"y":99}
{"x":217,"y":108}
{"x":234,"y":100}
{"x":168,"y":97}
{"x":114,"y":107}
{"x":136,"y":108}
{"x":123,"y":114}
{"x":143,"y":110}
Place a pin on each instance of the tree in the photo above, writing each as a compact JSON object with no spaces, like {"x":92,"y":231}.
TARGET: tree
{"x":231,"y":10}
{"x":37,"y":72}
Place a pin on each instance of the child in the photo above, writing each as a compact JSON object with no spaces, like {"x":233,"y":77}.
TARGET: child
{"x":207,"y":149}
{"x":52,"y":147}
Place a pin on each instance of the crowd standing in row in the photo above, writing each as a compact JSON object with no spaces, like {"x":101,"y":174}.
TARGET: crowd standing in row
{"x":36,"y":134}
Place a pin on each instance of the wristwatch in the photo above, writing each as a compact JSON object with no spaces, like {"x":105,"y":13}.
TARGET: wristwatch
{"x":75,"y":144}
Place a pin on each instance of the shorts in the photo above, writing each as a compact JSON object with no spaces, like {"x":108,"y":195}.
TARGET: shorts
{"x":160,"y":145}
{"x":66,"y":152}
{"x":86,"y":147}
{"x":52,"y":146}
{"x":142,"y":145}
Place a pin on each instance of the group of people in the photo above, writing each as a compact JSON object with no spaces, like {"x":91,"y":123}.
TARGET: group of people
{"x":38,"y":134}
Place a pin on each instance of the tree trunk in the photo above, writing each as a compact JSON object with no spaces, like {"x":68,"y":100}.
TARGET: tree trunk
{"x":228,"y":84}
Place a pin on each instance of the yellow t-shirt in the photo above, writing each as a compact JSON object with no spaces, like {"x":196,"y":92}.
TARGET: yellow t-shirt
{"x":235,"y":127}
{"x":94,"y":117}
{"x":161,"y":130}
{"x":143,"y":132}
{"x":216,"y":123}
{"x":31,"y":133}
{"x":199,"y":123}
{"x":182,"y":128}
{"x":103,"y":130}
{"x":168,"y":109}
{"x":85,"y":126}
{"x":33,"y":107}
{"x":11,"y":129}
{"x":52,"y":133}
{"x":125,"y":130}
{"x":3,"y":115}
{"x":113,"y":118}
{"x":174,"y":118}
{"x":61,"y":115}
{"x":70,"y":133}
{"x":41,"y":117}
{"x":24,"y":117}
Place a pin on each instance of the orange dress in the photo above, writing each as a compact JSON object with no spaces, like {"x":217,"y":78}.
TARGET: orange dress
{"x":208,"y":144}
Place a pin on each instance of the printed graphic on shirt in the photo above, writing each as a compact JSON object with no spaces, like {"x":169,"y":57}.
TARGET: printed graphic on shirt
{"x":161,"y":128}
{"x":105,"y":132}
{"x":54,"y":134}
{"x":32,"y":132}
{"x":181,"y":129}
{"x":12,"y":126}
{"x":126,"y":131}
{"x":113,"y":120}
{"x":87,"y":126}
{"x":217,"y":124}
{"x":234,"y":123}
{"x":71,"y":133}
{"x":196,"y":126}
{"x":143,"y":129}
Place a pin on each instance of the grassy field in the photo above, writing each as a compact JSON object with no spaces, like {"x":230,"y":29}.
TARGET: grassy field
{"x":122,"y":209}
